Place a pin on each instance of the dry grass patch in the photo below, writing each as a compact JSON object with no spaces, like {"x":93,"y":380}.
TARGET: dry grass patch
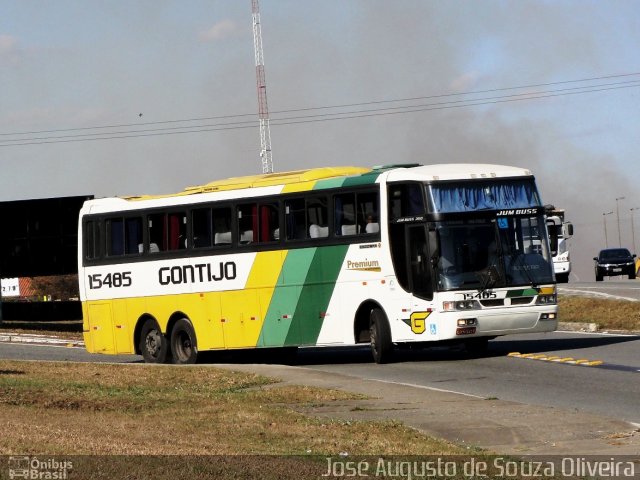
{"x":607,"y":314}
{"x":64,"y":408}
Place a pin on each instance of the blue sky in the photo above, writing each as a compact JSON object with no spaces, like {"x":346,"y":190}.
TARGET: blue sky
{"x":79,"y":64}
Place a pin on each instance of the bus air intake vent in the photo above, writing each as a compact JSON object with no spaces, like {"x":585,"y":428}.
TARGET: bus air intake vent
{"x":521,"y":300}
{"x":498,"y":302}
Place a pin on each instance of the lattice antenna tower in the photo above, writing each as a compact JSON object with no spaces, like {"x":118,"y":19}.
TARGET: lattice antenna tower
{"x":263,"y":109}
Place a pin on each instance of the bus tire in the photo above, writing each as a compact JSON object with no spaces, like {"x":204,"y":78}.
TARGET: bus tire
{"x":154,"y":346}
{"x":184,"y":347}
{"x":380,"y":334}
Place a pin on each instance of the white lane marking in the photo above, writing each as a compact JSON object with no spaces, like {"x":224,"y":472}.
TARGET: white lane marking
{"x":588,"y":293}
{"x":426,"y":388}
{"x":32,"y":344}
{"x":599,"y":334}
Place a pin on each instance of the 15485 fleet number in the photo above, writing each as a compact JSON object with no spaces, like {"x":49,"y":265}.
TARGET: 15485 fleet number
{"x":110,"y":280}
{"x":480,"y":295}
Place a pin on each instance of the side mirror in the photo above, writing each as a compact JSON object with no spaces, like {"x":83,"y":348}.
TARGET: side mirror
{"x":595,"y":258}
{"x":567,"y":230}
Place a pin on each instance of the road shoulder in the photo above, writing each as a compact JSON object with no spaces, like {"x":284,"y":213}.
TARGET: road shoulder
{"x":496,"y":425}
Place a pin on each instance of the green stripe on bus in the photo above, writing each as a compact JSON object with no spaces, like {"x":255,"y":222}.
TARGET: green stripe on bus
{"x":522,"y":293}
{"x":315,"y":295}
{"x":284,"y":300}
{"x":329,"y":183}
{"x":364,"y":179}
{"x":355,"y":180}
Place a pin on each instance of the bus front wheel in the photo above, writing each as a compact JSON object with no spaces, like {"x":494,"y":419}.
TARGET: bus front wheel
{"x":183,"y":342}
{"x":380,"y":333}
{"x":153,"y":344}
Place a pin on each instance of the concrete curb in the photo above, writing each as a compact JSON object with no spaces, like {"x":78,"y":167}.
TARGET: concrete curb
{"x":578,"y":327}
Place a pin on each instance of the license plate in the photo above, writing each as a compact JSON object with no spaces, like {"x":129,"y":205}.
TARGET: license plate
{"x":617,"y":269}
{"x":466,"y":331}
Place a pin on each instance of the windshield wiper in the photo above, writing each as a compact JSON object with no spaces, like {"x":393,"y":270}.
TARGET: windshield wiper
{"x":524,"y":268}
{"x":488,"y":277}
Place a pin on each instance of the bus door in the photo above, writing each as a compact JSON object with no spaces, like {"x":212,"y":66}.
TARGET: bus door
{"x":411,"y":258}
{"x":101,"y":327}
{"x":408,"y":238}
{"x":419,"y":264}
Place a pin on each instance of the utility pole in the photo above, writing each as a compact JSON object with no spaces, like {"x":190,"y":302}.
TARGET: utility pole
{"x":618,"y":218}
{"x":633,"y":231}
{"x":263,"y":109}
{"x":604,"y":222}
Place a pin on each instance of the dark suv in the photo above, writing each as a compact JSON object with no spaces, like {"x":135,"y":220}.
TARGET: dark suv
{"x":615,"y":261}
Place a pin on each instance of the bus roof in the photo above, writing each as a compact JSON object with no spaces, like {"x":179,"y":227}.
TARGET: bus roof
{"x":297,"y":180}
{"x":457,"y":171}
{"x":330,"y":177}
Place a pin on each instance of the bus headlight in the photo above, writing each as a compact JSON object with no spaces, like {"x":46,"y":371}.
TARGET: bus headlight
{"x":547,"y":299}
{"x":461,"y":305}
{"x":467,"y":322}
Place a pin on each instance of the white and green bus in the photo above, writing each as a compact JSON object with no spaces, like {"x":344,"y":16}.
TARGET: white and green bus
{"x":393,"y":256}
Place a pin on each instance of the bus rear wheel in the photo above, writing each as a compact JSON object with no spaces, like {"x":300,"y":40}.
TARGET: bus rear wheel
{"x":183,"y":342}
{"x":153,"y":344}
{"x":380,"y":334}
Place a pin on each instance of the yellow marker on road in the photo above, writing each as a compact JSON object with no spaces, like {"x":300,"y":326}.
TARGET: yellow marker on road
{"x":554,"y":358}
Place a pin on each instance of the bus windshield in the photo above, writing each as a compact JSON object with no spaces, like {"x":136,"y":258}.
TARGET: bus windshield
{"x":488,"y":253}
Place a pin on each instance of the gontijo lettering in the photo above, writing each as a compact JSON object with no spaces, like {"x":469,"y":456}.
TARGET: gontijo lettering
{"x":199,"y":273}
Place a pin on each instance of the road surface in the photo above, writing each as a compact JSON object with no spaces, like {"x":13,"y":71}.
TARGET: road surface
{"x":611,"y":389}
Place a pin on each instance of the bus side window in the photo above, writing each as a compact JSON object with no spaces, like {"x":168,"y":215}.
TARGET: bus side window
{"x":269,"y":222}
{"x":222,"y":226}
{"x":368,"y":216}
{"x":295,"y":219}
{"x":115,"y":236}
{"x":211,"y":227}
{"x":123,"y":236}
{"x":247,"y":216}
{"x":345,"y":214}
{"x":258,"y":223}
{"x":405,"y":200}
{"x":177,"y":231}
{"x":133,"y":235}
{"x":167,"y":232}
{"x":317,"y":217}
{"x":156,"y":230}
{"x":357,"y":213}
{"x":92,"y":240}
{"x":201,"y":225}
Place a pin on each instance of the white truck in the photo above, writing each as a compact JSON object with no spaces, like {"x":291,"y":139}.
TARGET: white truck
{"x":559,"y":232}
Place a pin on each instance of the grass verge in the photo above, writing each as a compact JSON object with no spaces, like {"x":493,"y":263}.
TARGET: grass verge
{"x":87,"y":409}
{"x":607,"y":314}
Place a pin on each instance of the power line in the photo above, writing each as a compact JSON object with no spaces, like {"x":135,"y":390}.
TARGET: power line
{"x":472,"y":92}
{"x":487,"y":100}
{"x":325,"y":107}
{"x":318,"y":117}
